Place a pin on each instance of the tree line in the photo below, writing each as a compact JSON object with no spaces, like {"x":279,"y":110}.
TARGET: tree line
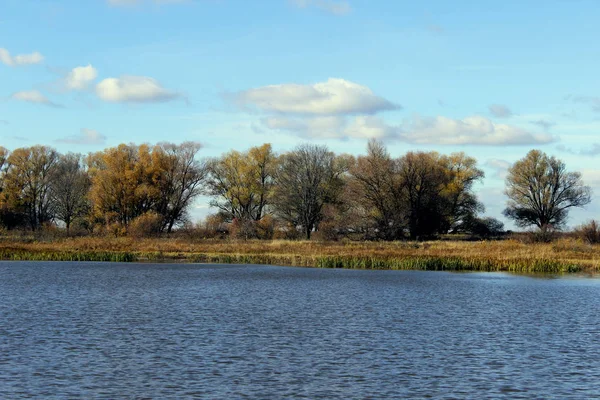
{"x":259,"y":193}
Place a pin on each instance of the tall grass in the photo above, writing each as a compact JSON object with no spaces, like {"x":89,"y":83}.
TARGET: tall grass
{"x":23,"y":255}
{"x":559,"y":257}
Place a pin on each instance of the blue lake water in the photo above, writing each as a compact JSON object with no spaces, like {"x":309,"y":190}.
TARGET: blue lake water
{"x":100,"y":330}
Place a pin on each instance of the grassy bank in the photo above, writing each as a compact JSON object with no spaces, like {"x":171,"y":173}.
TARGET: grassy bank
{"x":509,"y":255}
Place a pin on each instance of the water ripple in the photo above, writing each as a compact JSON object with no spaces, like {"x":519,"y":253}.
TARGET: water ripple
{"x":94,"y":330}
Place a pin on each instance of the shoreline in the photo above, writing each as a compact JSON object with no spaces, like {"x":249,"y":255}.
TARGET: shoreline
{"x":562,"y":256}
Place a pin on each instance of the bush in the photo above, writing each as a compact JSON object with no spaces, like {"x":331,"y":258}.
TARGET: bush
{"x":539,"y":236}
{"x":287,"y":232}
{"x":265,"y":228}
{"x":485,"y":227}
{"x":147,"y":224}
{"x":243,"y":229}
{"x":590,"y":232}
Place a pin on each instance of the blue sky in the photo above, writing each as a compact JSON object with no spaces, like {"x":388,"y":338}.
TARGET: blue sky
{"x":492,"y":79}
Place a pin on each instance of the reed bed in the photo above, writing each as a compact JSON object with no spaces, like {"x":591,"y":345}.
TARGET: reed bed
{"x":563,"y":256}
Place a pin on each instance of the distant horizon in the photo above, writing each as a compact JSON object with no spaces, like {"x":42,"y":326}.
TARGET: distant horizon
{"x":491,"y":80}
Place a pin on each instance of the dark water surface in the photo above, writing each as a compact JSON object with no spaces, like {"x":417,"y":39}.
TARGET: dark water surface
{"x":95,"y":330}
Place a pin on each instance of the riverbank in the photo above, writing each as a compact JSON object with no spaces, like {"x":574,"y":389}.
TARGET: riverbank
{"x":508,"y":255}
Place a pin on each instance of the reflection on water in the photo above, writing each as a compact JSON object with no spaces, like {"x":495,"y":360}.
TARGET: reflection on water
{"x":94,"y":330}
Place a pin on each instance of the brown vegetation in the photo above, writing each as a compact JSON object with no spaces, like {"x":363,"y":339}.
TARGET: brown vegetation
{"x":565,"y":255}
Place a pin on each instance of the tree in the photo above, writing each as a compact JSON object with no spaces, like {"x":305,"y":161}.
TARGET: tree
{"x":462,"y":203}
{"x":375,"y":185}
{"x":541,"y":191}
{"x":423,"y":180}
{"x":8,"y":217}
{"x":27,"y":183}
{"x":307,"y":178}
{"x":123,"y":183}
{"x":69,"y":189}
{"x":180,"y":175}
{"x":484,"y":227}
{"x":242,"y":183}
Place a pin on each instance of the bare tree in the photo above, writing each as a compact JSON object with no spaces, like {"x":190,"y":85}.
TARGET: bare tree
{"x":69,"y":189}
{"x":307,"y":178}
{"x":541,"y":191}
{"x":181,"y":176}
{"x":375,"y":185}
{"x":423,"y":180}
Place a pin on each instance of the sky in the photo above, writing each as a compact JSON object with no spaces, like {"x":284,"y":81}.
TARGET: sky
{"x":494,"y":79}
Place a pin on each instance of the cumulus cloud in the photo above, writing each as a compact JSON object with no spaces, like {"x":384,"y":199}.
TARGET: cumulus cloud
{"x":333,"y":97}
{"x":81,"y":77}
{"x":500,"y":111}
{"x":332,"y":7}
{"x":33,"y":96}
{"x":20,"y":59}
{"x":86,"y":136}
{"x":475,"y":130}
{"x":134,"y":89}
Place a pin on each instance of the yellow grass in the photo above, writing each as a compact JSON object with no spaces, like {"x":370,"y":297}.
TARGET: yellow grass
{"x":565,"y":255}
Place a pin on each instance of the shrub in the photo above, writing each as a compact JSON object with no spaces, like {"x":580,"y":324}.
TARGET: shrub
{"x":265,"y":228}
{"x":590,"y":232}
{"x":147,"y":224}
{"x":243,"y":229}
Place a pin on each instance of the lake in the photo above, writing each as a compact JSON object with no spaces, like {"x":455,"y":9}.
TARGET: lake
{"x":101,"y":330}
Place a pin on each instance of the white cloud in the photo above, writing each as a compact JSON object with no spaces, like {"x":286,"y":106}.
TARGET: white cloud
{"x":416,"y":130}
{"x":332,"y":7}
{"x":333,"y":97}
{"x":333,"y":127}
{"x":33,"y":96}
{"x":475,"y":130}
{"x":81,"y":77}
{"x":500,"y":111}
{"x":20,"y":59}
{"x":86,"y":136}
{"x":499,"y":166}
{"x":134,"y":89}
{"x":327,"y":127}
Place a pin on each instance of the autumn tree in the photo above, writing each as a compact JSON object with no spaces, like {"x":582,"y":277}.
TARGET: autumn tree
{"x":307,"y":178}
{"x":541,"y":191}
{"x":462,"y":203}
{"x":123,"y":183}
{"x":241,"y":183}
{"x":69,"y":188}
{"x":27,"y":183}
